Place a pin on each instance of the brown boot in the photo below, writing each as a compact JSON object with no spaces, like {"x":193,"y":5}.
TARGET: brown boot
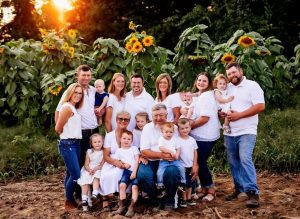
{"x":122,"y":208}
{"x":70,"y":206}
{"x":130,"y":211}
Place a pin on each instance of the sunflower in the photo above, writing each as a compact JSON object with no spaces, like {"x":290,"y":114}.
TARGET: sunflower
{"x":65,"y":46}
{"x":246,"y":41}
{"x":262,"y":52}
{"x":131,"y":25}
{"x":72,"y":33}
{"x":133,"y":40}
{"x":71,"y":51}
{"x":55,"y":90}
{"x":143,"y":32}
{"x":227,"y":58}
{"x":1,"y":50}
{"x":137,"y":47}
{"x":148,"y":41}
{"x":128,"y":46}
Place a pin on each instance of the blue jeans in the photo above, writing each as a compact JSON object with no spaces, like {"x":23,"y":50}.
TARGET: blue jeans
{"x":126,"y":178}
{"x":239,"y":155}
{"x":69,"y":149}
{"x":204,"y":151}
{"x":147,"y":178}
{"x":163,"y":164}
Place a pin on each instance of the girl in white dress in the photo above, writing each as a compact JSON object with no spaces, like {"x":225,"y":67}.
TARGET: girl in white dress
{"x":142,"y":119}
{"x":91,"y":171}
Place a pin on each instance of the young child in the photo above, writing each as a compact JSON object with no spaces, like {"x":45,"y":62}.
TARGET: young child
{"x":187,"y":107}
{"x":90,"y":172}
{"x":167,"y":143}
{"x":130,"y":157}
{"x":220,"y":84}
{"x":101,"y":99}
{"x":188,"y":158}
{"x":142,"y":119}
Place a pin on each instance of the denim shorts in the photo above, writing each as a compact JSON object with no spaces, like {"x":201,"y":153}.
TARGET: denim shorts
{"x":126,"y":178}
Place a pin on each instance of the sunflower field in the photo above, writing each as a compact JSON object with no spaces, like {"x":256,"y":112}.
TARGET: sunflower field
{"x":35,"y":73}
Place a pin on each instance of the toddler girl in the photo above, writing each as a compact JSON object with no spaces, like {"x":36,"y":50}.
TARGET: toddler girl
{"x":220,"y":84}
{"x":129,"y":156}
{"x":142,"y":119}
{"x":90,"y":172}
{"x":101,"y":99}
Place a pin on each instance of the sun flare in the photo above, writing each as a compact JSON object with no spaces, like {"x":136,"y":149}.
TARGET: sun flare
{"x":63,"y":5}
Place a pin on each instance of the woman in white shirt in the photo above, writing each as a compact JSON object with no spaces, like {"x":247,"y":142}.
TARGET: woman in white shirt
{"x":68,"y":126}
{"x":163,"y":86}
{"x":113,"y":168}
{"x":206,"y":131}
{"x":116,"y":101}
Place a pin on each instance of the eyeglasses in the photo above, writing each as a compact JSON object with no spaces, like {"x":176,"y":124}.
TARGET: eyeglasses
{"x":77,"y":93}
{"x":123,"y":119}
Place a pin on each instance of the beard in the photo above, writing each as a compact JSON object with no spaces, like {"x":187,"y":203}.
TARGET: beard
{"x":235,"y":80}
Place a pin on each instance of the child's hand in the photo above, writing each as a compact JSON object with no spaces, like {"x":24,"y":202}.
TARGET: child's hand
{"x":132,"y":176}
{"x":231,"y":98}
{"x":127,"y":165}
{"x":92,"y":172}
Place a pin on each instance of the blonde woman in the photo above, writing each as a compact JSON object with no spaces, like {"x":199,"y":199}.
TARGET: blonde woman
{"x":163,"y":86}
{"x":116,"y":101}
{"x":68,"y":126}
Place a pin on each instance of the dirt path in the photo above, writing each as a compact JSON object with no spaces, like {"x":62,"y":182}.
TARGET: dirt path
{"x":43,"y":198}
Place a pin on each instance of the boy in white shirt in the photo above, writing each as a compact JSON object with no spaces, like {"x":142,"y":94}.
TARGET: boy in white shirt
{"x":188,"y":158}
{"x":167,"y":143}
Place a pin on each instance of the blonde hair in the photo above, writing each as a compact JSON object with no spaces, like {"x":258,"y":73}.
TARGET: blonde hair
{"x":158,"y":79}
{"x":218,"y":77}
{"x":169,"y":125}
{"x":94,"y":136}
{"x":70,"y":91}
{"x":111,"y":87}
{"x":99,"y":81}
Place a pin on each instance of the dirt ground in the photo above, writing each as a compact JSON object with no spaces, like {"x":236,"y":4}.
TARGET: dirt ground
{"x":44,"y":198}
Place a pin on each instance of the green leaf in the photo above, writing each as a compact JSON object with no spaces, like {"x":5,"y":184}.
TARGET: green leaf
{"x":11,"y":88}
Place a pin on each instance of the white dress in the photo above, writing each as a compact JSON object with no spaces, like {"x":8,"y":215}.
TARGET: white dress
{"x":110,"y":175}
{"x":223,"y":106}
{"x":95,"y":159}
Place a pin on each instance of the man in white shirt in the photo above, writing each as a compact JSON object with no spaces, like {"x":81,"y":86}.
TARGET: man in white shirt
{"x":247,"y":103}
{"x":147,"y":170}
{"x":137,"y":100}
{"x":89,"y":123}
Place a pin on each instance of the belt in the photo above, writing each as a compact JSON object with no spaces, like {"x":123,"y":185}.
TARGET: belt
{"x":89,"y":131}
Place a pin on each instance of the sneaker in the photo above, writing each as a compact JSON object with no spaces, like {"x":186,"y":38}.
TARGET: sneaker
{"x":232,"y":196}
{"x":195,"y":196}
{"x":191,"y":202}
{"x":227,"y":129}
{"x":84,"y":205}
{"x":253,"y":200}
{"x":183,"y":204}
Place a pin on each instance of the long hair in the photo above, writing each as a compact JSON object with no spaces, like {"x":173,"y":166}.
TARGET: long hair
{"x":70,"y":91}
{"x":111,"y":87}
{"x":158,"y":79}
{"x":218,"y":77}
{"x":206,"y":74}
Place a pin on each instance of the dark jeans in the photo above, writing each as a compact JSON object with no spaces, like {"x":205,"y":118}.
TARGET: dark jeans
{"x":126,"y":178}
{"x":204,"y":151}
{"x":70,"y":152}
{"x":147,"y":178}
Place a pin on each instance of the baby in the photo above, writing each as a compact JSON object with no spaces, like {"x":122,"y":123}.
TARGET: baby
{"x":187,"y":107}
{"x":220,"y":84}
{"x":101,"y":99}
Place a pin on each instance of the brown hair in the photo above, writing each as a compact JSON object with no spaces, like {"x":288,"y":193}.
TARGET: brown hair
{"x":82,"y":68}
{"x":128,"y":133}
{"x":183,"y":121}
{"x":142,"y":114}
{"x":233,"y":64}
{"x":95,"y":135}
{"x":70,"y":91}
{"x":218,"y":77}
{"x":111,"y":87}
{"x":206,"y":74}
{"x":158,"y":79}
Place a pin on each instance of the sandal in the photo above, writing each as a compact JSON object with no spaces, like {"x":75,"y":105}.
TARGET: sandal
{"x":211,"y":194}
{"x":201,"y":193}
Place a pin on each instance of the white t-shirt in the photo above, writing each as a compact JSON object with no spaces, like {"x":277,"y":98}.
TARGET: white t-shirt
{"x":111,"y":142}
{"x":223,"y":106}
{"x":127,"y":155}
{"x":206,"y":105}
{"x":187,"y":148}
{"x":150,"y":136}
{"x":136,"y":137}
{"x":72,"y":128}
{"x":246,"y":94}
{"x":117,"y":106}
{"x":88,"y":116}
{"x":169,"y":144}
{"x":172,"y":101}
{"x":142,"y":103}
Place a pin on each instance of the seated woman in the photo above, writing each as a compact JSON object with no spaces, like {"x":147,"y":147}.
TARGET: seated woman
{"x":112,"y":169}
